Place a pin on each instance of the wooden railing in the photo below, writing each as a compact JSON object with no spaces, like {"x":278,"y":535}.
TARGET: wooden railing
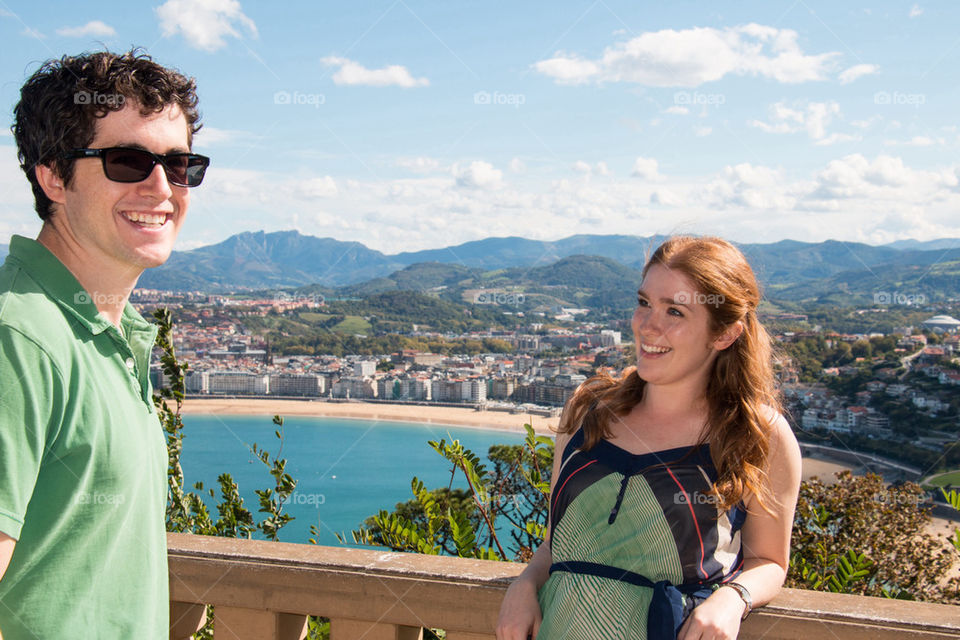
{"x":265,"y":590}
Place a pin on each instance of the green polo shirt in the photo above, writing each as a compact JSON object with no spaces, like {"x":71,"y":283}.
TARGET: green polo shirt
{"x":82,"y":462}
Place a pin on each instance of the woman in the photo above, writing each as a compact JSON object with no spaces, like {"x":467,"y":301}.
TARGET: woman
{"x":674,"y":487}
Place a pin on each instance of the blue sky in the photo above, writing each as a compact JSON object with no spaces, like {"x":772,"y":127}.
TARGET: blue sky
{"x":408,"y":125}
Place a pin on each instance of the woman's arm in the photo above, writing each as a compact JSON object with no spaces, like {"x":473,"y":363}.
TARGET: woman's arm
{"x":765,"y":538}
{"x":520,"y":613}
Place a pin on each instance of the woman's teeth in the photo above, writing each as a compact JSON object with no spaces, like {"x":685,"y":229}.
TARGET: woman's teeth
{"x":649,"y":348}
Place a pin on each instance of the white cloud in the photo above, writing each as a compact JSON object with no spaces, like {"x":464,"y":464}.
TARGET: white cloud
{"x":354,"y":74}
{"x":677,"y":110}
{"x":477,"y":175}
{"x":582,"y":167}
{"x":211,"y":136}
{"x":517,"y":166}
{"x":419,"y":164}
{"x":702,"y":132}
{"x":16,"y":206}
{"x":691,"y":57}
{"x":646,"y":168}
{"x":834,"y":138}
{"x":915,"y":141}
{"x":915,"y":11}
{"x":882,"y":183}
{"x":585,"y":168}
{"x":665,"y":198}
{"x":568,"y":70}
{"x":204,"y":25}
{"x":866,"y":124}
{"x":812,"y":117}
{"x":321,"y":187}
{"x":94,"y":29}
{"x":857,"y":71}
{"x":853,"y":198}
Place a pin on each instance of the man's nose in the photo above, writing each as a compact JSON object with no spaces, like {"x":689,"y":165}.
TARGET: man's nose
{"x":157,"y":183}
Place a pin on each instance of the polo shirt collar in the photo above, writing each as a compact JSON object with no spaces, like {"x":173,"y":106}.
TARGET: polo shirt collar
{"x":61,"y":285}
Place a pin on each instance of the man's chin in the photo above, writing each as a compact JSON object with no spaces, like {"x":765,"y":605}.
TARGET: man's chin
{"x":151,"y":259}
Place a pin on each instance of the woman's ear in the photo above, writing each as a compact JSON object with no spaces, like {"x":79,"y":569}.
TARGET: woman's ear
{"x":729,"y":336}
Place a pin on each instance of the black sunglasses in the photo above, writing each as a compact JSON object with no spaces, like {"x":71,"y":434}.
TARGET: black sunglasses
{"x":125,"y":164}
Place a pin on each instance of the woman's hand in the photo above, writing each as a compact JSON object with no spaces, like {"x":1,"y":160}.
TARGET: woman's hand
{"x":520,"y":613}
{"x":716,"y":618}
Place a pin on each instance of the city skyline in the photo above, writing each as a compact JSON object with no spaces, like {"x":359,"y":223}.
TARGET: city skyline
{"x":407,"y":126}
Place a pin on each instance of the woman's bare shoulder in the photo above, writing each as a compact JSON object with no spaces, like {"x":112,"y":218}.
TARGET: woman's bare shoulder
{"x":784,"y":448}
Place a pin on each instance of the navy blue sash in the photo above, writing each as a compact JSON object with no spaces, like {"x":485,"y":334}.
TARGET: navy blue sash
{"x":667,"y":611}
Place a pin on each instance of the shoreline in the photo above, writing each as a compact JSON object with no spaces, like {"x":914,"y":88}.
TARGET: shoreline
{"x":451,"y":416}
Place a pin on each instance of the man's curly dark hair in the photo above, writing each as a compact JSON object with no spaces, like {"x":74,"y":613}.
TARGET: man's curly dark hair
{"x":60,"y":104}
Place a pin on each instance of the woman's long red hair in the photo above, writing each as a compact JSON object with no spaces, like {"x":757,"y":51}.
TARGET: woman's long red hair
{"x":741,"y":393}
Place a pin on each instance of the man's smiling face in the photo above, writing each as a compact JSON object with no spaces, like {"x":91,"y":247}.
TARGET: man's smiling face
{"x":127,"y":226}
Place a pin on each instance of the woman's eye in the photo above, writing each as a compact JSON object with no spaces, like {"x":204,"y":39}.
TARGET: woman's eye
{"x":676,"y":312}
{"x":641,"y":302}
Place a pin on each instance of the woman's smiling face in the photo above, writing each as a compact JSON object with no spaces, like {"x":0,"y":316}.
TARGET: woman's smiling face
{"x":671,"y":329}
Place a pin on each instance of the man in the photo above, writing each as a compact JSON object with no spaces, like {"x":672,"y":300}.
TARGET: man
{"x":104,"y":140}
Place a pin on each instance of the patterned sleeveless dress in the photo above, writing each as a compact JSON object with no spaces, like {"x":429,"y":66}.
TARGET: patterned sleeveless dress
{"x":636,"y":542}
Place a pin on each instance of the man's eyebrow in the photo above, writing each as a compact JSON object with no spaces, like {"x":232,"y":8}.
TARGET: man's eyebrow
{"x":137,"y":145}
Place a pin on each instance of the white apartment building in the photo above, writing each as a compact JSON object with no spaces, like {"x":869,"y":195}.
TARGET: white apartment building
{"x":238,"y":383}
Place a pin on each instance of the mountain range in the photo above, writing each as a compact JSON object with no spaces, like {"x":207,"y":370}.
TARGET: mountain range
{"x":582,"y":270}
{"x":260,"y":260}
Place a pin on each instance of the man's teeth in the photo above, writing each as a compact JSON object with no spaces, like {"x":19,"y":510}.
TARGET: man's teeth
{"x":145,"y":218}
{"x":649,"y":348}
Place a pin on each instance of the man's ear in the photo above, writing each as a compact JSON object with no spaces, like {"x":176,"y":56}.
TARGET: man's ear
{"x":51,"y":183}
{"x":729,"y":336}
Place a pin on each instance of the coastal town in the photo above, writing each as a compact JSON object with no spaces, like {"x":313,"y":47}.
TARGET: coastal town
{"x":901,"y":404}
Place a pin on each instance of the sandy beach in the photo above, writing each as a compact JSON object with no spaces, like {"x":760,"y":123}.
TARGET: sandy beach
{"x":458,"y":416}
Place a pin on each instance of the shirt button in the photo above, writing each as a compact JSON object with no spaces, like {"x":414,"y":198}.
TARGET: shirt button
{"x":131,"y":363}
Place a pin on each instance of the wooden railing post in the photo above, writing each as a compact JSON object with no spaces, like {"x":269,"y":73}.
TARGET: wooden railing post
{"x":348,"y":629}
{"x":238,"y":623}
{"x":186,"y":619}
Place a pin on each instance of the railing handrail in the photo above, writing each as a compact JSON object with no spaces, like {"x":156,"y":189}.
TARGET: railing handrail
{"x":463,"y":595}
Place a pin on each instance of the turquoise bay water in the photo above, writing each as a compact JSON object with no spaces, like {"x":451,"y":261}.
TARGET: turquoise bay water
{"x":347,"y":470}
